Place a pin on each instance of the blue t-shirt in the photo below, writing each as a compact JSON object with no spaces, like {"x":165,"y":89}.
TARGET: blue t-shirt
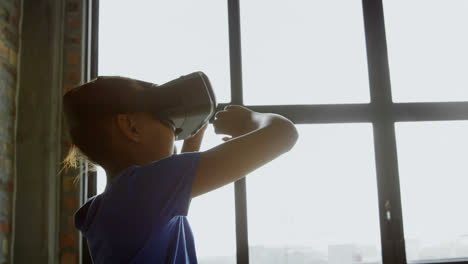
{"x":141,"y":216}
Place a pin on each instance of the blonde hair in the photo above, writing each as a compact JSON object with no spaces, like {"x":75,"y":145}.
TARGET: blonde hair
{"x":89,"y":144}
{"x":73,"y":161}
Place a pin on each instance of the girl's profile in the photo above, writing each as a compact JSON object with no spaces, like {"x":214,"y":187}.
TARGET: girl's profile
{"x":141,"y":215}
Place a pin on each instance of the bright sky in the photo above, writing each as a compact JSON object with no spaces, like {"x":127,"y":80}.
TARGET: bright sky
{"x":313,"y":52}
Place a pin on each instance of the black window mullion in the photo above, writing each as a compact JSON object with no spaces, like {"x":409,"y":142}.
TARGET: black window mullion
{"x":94,"y":38}
{"x":358,"y":113}
{"x":235,"y":57}
{"x":390,"y":213}
{"x":240,"y":192}
{"x":434,"y":111}
{"x":92,"y":65}
{"x":91,"y":72}
{"x":320,"y":114}
{"x":89,"y":178}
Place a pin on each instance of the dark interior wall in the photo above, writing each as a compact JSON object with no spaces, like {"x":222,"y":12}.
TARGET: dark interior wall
{"x":10,"y":15}
{"x":73,"y":50}
{"x":38,"y":133}
{"x":52,"y":60}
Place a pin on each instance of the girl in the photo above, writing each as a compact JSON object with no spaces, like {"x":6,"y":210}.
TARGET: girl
{"x":141,"y":216}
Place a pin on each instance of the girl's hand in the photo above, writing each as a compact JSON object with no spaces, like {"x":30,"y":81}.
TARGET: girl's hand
{"x":257,"y":138}
{"x":235,"y":121}
{"x":193,"y":144}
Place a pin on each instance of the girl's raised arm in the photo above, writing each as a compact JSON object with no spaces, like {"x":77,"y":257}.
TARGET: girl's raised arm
{"x":256,"y":139}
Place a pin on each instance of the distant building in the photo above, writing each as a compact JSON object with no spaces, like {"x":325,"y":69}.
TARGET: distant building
{"x":413,"y":248}
{"x":341,"y":254}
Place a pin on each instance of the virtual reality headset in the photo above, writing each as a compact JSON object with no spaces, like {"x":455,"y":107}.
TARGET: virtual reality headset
{"x":184,"y":104}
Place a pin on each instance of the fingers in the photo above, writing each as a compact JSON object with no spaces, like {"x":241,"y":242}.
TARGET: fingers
{"x":228,"y":109}
{"x":220,"y":114}
{"x":231,"y":120}
{"x":221,"y":125}
{"x":219,"y":121}
{"x":234,"y":107}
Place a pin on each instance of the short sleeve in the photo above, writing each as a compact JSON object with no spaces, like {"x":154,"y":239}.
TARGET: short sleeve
{"x":165,"y":186}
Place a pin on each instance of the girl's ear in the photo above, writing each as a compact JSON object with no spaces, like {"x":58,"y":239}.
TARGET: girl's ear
{"x":127,"y":125}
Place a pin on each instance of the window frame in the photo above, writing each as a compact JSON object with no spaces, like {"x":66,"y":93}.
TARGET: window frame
{"x":381,"y":112}
{"x":88,"y":183}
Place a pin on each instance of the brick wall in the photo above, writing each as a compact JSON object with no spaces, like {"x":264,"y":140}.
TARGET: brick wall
{"x":9,"y":39}
{"x":72,"y":75}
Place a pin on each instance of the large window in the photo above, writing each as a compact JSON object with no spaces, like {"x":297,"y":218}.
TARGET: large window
{"x":379,"y":172}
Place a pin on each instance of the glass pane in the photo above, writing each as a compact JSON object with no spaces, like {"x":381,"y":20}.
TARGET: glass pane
{"x":427,"y":51}
{"x":212,"y":218}
{"x":318,"y":203}
{"x":101,"y":180}
{"x":157,"y":41}
{"x":304,"y":52}
{"x":433,"y":166}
